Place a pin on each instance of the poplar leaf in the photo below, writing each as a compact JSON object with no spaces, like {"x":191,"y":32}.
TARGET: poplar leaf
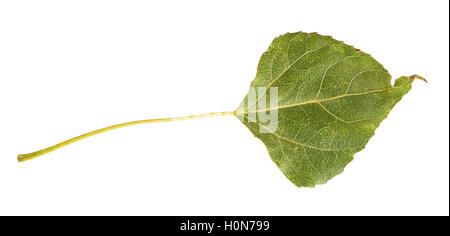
{"x":325,"y":101}
{"x":331,"y":98}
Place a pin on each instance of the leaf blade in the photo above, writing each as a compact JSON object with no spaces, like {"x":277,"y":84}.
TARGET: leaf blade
{"x":331,"y":99}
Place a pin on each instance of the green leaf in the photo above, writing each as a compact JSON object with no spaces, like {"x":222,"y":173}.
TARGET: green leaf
{"x":331,"y":98}
{"x":326,"y":100}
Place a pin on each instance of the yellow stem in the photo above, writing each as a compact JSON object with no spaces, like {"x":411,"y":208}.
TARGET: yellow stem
{"x":29,"y":156}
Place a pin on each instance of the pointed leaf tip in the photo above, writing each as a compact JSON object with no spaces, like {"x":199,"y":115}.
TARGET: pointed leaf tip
{"x":418,"y":77}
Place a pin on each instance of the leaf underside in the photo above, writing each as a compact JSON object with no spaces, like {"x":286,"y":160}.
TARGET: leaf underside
{"x":331,"y":98}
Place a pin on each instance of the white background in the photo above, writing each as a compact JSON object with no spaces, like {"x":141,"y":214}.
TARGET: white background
{"x":67,"y":67}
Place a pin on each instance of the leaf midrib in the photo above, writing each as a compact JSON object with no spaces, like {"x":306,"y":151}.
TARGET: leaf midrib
{"x":322,"y":100}
{"x":312,"y":102}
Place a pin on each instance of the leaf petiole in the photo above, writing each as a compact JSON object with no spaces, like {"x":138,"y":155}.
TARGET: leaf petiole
{"x":29,"y":156}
